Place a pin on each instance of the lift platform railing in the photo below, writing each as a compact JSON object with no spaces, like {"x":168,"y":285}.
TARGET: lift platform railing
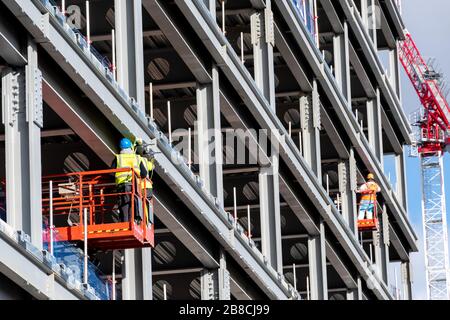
{"x":369,"y":224}
{"x":66,"y":196}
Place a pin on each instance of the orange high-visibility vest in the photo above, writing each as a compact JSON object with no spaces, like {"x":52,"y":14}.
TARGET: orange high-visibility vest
{"x":371,"y":193}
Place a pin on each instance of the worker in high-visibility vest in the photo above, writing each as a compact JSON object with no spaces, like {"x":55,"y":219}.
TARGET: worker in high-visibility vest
{"x":147,"y":183}
{"x":127,"y":158}
{"x":369,"y":192}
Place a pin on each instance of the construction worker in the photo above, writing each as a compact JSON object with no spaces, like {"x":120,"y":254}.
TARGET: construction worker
{"x":147,"y":183}
{"x":369,"y":192}
{"x":127,"y":158}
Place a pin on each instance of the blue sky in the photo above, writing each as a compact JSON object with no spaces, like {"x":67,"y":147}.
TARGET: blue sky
{"x":429,"y":23}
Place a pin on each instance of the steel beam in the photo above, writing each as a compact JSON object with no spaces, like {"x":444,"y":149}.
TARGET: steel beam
{"x":397,"y":244}
{"x":297,"y":207}
{"x":73,"y":111}
{"x":340,"y":267}
{"x":212,"y":7}
{"x":394,"y":11}
{"x":333,"y":134}
{"x":332,"y":15}
{"x":185,"y":231}
{"x":11,"y":48}
{"x":292,"y":61}
{"x":173,"y":33}
{"x":361,"y":73}
{"x":30,"y":274}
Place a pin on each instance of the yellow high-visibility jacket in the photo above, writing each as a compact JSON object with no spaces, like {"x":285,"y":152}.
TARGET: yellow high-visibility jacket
{"x":127,"y":160}
{"x":147,"y":183}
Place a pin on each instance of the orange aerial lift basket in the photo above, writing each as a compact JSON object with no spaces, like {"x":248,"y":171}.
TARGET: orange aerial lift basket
{"x":368,"y":224}
{"x":66,"y":196}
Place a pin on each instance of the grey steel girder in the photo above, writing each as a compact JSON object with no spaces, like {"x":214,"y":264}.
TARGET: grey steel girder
{"x":30,"y":273}
{"x":394,"y":12}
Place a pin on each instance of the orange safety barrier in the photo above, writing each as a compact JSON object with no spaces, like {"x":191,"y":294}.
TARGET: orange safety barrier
{"x":97,"y":192}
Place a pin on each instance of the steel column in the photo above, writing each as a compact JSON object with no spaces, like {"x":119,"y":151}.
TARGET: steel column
{"x":269,"y":191}
{"x":215,"y":284}
{"x":130,"y":75}
{"x":374,"y":126}
{"x":342,"y":63}
{"x":310,"y":122}
{"x":347,"y":186}
{"x":263,"y":40}
{"x":210,"y":135}
{"x":147,"y":284}
{"x":352,"y":294}
{"x":381,"y":245}
{"x":22,"y":117}
{"x":373,"y":18}
{"x":35,"y":124}
{"x":130,"y":48}
{"x":401,"y":180}
{"x":318,"y":265}
{"x":406,"y":280}
{"x":394,"y":70}
{"x":365,"y":13}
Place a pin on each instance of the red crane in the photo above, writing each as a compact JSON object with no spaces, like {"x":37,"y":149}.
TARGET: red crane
{"x":433,"y":136}
{"x":434,"y":120}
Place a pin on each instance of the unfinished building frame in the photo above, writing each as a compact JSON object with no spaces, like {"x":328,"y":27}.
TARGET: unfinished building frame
{"x":302,"y":85}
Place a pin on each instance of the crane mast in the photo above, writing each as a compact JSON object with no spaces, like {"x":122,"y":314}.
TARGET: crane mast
{"x":432,"y":138}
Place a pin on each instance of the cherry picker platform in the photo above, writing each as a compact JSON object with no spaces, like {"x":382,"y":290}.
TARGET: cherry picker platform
{"x":368,"y":224}
{"x":67,"y":196}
